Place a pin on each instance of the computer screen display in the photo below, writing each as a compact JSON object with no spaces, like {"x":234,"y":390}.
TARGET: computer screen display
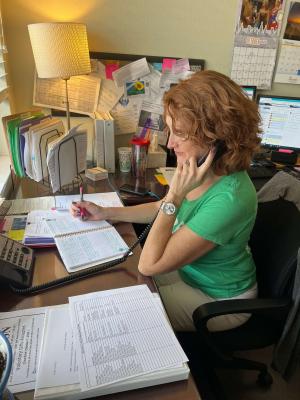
{"x":250,"y":91}
{"x":280,"y":121}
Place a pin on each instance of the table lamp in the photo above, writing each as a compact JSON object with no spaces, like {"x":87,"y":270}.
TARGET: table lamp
{"x":60,"y":50}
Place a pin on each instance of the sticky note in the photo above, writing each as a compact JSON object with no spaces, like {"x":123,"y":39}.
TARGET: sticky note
{"x":109,"y":69}
{"x":161,"y":179}
{"x":157,"y":66}
{"x":16,"y":234}
{"x":181,"y":66}
{"x":168,"y":64}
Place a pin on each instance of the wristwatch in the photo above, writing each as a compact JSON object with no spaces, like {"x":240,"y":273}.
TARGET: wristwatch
{"x":168,"y":208}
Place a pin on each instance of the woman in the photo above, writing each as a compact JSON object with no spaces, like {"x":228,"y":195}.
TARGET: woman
{"x":263,"y":15}
{"x":247,"y":13}
{"x":197,"y":247}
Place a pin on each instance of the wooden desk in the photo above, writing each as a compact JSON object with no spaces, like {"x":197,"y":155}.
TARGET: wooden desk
{"x":48,"y":266}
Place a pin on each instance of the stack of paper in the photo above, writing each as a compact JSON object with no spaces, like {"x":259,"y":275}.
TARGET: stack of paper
{"x":61,"y":203}
{"x":99,"y":343}
{"x":108,"y":342}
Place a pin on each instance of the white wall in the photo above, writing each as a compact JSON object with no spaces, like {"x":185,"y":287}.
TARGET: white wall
{"x":189,"y":28}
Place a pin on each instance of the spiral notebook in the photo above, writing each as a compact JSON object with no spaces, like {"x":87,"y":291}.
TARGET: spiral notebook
{"x":84,"y":244}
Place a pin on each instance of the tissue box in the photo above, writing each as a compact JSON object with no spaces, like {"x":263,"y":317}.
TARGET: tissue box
{"x":156,"y":158}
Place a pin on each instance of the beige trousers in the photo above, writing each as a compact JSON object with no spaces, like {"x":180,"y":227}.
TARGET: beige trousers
{"x":180,"y":301}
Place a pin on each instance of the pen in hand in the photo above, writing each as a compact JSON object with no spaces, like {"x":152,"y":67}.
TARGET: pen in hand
{"x":82,"y":210}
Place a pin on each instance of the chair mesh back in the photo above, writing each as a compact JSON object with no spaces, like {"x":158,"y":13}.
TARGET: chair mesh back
{"x":274,"y":243}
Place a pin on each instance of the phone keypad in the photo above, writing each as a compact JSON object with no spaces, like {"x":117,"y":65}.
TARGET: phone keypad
{"x":15,"y":253}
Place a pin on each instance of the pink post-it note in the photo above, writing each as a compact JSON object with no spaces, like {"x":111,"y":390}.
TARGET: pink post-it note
{"x":286,"y":151}
{"x":109,"y":69}
{"x":168,"y":64}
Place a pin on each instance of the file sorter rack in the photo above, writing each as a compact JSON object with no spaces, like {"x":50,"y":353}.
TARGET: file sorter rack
{"x":58,"y":134}
{"x":77,"y":179}
{"x":45,"y":180}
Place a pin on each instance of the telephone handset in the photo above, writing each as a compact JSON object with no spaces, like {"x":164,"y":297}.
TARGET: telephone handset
{"x":16,"y":262}
{"x":220,"y":150}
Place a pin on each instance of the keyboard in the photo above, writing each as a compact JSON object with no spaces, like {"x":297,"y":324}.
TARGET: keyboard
{"x":256,"y":172}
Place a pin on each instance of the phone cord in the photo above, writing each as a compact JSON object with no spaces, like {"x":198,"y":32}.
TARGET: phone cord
{"x":83,"y":274}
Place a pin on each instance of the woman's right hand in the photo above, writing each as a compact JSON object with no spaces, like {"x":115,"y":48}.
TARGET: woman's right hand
{"x":92,"y":212}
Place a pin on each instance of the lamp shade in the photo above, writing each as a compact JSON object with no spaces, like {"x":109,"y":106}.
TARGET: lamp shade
{"x":60,"y":49}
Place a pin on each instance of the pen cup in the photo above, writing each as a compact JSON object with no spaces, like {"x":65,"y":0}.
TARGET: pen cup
{"x":124,"y":158}
{"x":139,"y":156}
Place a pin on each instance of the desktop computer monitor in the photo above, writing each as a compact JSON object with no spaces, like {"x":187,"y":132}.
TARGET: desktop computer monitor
{"x":250,"y":91}
{"x":280,"y":122}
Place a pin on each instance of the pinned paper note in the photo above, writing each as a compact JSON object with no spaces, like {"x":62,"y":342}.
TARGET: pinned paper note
{"x":168,"y":64}
{"x":181,"y":65}
{"x":129,"y":72}
{"x":157,"y":66}
{"x":109,"y":69}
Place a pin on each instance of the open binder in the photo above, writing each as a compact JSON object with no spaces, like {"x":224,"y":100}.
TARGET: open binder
{"x":78,"y":242}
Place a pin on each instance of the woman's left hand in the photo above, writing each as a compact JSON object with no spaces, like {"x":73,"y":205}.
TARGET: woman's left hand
{"x":188,"y":176}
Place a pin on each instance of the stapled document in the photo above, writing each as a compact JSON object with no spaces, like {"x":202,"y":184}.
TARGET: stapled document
{"x":24,"y":329}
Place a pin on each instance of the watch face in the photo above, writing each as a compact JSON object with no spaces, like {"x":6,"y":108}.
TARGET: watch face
{"x":169,"y":208}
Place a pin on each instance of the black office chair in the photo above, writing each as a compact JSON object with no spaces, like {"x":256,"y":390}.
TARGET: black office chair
{"x":274,"y":243}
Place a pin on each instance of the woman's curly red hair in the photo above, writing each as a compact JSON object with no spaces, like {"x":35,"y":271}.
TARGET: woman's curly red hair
{"x":211,"y":107}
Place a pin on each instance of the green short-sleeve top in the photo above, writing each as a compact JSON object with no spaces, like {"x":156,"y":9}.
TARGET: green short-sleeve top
{"x":225,"y":215}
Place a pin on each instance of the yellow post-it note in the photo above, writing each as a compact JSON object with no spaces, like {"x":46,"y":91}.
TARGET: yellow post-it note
{"x":161,"y":179}
{"x":16,"y":234}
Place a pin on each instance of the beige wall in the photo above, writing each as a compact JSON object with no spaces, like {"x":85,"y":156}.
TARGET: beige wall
{"x":189,"y":28}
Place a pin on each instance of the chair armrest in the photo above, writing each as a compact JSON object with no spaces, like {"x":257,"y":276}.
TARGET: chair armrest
{"x":254,"y":306}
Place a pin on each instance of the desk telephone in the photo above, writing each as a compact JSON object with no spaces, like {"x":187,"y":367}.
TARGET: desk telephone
{"x":16,"y":262}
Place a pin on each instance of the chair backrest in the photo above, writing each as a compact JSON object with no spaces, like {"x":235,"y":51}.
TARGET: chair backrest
{"x":274,"y":243}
